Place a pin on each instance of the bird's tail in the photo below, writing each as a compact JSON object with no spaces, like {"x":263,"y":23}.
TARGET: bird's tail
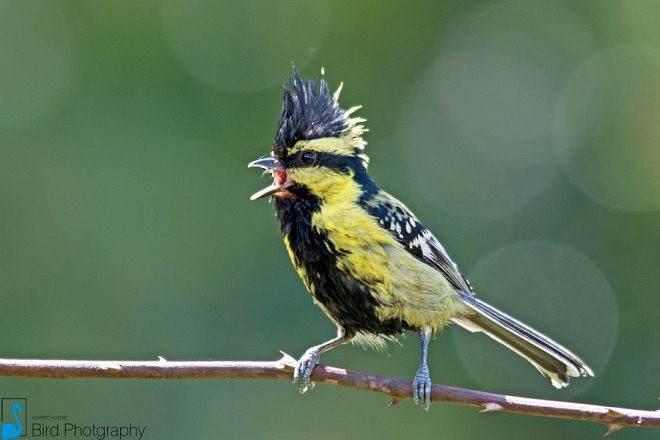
{"x":553,"y":361}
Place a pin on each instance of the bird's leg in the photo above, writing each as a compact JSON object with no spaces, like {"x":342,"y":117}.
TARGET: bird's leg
{"x":422,"y":381}
{"x":309,"y":360}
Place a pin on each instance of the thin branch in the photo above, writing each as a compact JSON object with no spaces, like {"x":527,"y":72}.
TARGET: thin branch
{"x":613,"y":417}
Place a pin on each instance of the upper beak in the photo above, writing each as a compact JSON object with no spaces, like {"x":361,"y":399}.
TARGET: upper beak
{"x":268,"y":163}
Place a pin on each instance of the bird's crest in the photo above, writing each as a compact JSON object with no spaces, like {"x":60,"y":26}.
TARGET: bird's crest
{"x":310,"y":111}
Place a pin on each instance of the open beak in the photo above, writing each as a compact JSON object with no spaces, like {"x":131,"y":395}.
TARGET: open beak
{"x":271,"y":165}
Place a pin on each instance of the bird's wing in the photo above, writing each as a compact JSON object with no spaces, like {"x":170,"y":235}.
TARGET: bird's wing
{"x":394,"y":216}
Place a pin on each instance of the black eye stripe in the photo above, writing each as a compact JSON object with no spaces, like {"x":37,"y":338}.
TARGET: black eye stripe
{"x":335,"y":162}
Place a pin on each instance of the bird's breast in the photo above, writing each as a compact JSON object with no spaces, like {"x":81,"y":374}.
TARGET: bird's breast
{"x":362,"y":277}
{"x":334,"y":266}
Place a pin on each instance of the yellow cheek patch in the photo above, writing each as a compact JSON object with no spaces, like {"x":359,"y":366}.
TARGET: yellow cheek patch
{"x":331,"y":186}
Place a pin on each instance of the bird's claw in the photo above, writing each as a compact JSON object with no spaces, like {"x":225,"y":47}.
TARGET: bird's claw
{"x":422,"y":388}
{"x":304,"y":368}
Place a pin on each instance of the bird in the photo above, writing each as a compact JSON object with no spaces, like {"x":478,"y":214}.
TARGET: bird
{"x":368,"y":262}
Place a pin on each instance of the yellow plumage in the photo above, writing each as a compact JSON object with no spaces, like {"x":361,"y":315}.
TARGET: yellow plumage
{"x":409,"y":289}
{"x":371,"y":266}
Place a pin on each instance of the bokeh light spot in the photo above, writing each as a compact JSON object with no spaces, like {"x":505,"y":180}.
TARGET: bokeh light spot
{"x":439,"y":158}
{"x":606,"y":128}
{"x":243,"y":45}
{"x":497,"y":101}
{"x":556,"y":290}
{"x":480,"y":119}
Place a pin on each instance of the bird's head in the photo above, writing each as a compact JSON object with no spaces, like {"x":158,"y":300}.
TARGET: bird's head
{"x":318,"y":146}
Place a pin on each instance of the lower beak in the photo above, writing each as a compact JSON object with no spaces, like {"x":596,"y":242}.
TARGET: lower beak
{"x":269,"y":164}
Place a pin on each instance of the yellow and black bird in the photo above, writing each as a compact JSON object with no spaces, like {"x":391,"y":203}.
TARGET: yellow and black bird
{"x":372,"y":267}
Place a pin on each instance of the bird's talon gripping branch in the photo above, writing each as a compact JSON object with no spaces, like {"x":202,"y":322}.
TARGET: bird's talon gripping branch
{"x":303,"y":372}
{"x":422,"y":388}
{"x":304,"y":368}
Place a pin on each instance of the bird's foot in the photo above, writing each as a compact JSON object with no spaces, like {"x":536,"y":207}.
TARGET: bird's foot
{"x":422,"y":388}
{"x":304,"y":368}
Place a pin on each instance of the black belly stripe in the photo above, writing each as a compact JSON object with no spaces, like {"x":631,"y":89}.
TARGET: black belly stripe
{"x":348,"y":300}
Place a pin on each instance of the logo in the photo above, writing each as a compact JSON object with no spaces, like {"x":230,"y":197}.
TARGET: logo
{"x":51,"y":425}
{"x":13,"y":414}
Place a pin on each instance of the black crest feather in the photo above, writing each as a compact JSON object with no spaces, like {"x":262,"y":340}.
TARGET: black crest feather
{"x":309,"y":111}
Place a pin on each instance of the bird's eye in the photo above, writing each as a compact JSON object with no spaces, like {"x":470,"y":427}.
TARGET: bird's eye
{"x":308,"y":158}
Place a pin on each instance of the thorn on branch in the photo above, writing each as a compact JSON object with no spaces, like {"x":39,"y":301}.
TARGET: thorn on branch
{"x":612,"y":428}
{"x":287,"y":361}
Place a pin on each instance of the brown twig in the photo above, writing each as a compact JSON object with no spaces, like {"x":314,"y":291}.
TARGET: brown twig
{"x":614,"y":418}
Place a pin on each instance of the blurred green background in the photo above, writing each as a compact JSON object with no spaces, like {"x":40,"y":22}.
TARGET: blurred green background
{"x":525,"y":134}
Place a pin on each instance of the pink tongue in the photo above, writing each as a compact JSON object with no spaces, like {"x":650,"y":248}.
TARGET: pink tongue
{"x":280,"y":177}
